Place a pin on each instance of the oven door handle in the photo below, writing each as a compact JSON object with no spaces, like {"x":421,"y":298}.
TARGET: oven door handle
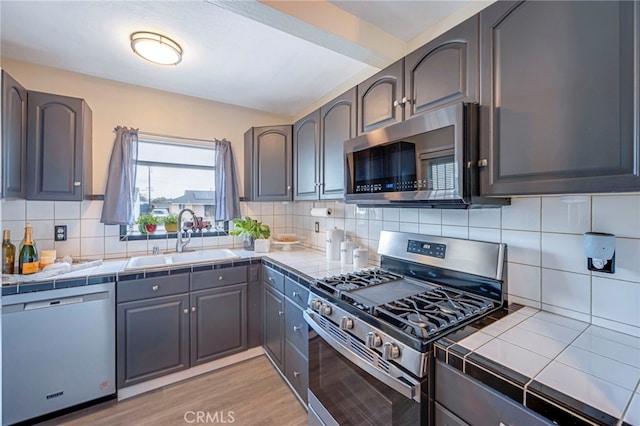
{"x":405,"y":389}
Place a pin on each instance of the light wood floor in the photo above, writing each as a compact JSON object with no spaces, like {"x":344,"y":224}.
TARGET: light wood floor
{"x":252,"y":392}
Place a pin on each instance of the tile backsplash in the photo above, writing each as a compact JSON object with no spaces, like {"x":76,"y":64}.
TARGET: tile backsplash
{"x":546,"y":262}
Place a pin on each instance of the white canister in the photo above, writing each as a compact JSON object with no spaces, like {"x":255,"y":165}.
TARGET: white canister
{"x":346,"y":251}
{"x":360,"y":257}
{"x":334,"y":237}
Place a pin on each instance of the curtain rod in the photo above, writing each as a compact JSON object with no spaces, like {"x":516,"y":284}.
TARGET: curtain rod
{"x":142,"y":133}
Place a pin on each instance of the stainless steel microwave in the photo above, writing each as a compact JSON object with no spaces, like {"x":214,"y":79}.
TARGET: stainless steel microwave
{"x":428,"y":160}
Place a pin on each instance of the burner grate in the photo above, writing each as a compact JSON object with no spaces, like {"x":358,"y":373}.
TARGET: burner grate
{"x":355,"y":280}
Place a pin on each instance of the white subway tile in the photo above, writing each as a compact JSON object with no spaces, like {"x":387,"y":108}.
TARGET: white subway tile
{"x":42,"y":229}
{"x":455,"y":231}
{"x":266,"y":209}
{"x":485,"y":218}
{"x":391,"y":215}
{"x":431,"y":216}
{"x":14,"y":210}
{"x":485,"y":234}
{"x":136,"y":246}
{"x":523,"y":246}
{"x":409,"y":227}
{"x":42,"y":244}
{"x":566,"y":290}
{"x":580,"y":316}
{"x":280,"y":208}
{"x":571,"y":215}
{"x":91,"y":209}
{"x":361,"y":213}
{"x":39,"y":210}
{"x":16,"y":227}
{"x":71,"y":247}
{"x":522,"y":301}
{"x":409,"y":215}
{"x":253,"y":209}
{"x":616,"y":300}
{"x":564,"y":252}
{"x":375,"y":226}
{"x":67,"y":210}
{"x":455,"y":217}
{"x":523,"y":281}
{"x":617,"y":214}
{"x":390,"y":226}
{"x":111,"y":230}
{"x":375,"y":213}
{"x":430,"y":229}
{"x":617,"y":326}
{"x":350,"y":211}
{"x":522,"y":215}
{"x":627,"y":259}
{"x":91,"y":228}
{"x":113,"y":247}
{"x":92,"y":247}
{"x":362,"y":229}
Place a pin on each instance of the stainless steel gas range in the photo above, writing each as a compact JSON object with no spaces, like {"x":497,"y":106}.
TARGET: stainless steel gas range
{"x":370,"y":351}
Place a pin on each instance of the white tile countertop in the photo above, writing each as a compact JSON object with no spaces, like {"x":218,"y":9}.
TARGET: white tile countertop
{"x":572,"y":363}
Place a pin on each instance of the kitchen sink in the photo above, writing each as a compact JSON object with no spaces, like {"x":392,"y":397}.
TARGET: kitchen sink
{"x":199,"y":256}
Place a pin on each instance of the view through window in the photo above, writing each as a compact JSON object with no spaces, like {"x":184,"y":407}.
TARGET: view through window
{"x":173,"y":174}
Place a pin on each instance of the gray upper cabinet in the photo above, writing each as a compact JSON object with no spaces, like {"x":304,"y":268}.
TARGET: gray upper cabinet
{"x":14,"y":138}
{"x":318,"y":141}
{"x":337,"y":124}
{"x":267,"y":163}
{"x":306,"y":146}
{"x":443,"y":71}
{"x":559,"y":110}
{"x":380,"y":98}
{"x":58,"y":148}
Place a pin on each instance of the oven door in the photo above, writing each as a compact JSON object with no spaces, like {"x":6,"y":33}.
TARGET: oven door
{"x":345,"y":388}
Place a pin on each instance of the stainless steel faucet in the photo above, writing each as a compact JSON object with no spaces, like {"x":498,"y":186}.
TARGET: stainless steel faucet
{"x":180,"y":245}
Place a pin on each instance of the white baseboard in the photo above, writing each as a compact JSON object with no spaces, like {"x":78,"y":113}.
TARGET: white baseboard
{"x":169,"y":379}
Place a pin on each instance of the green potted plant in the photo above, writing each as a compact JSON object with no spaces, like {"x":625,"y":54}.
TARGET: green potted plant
{"x":170,"y":222}
{"x":251,"y":229}
{"x":147,"y":223}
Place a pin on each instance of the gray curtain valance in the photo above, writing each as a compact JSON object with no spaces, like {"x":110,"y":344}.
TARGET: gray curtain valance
{"x":226,"y":186}
{"x":119,"y":195}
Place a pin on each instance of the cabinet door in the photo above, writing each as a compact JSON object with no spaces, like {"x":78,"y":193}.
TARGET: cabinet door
{"x":337,"y":124}
{"x":380,"y":98}
{"x":219,"y":323}
{"x":306,"y":147}
{"x":254,"y":307}
{"x":268,"y":163}
{"x":558,"y":97}
{"x":153,"y":338}
{"x":274,"y":325}
{"x":14,"y":138}
{"x":56,"y":148}
{"x":443,"y":71}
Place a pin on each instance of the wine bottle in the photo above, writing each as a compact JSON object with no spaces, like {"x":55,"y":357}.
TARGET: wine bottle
{"x":8,"y":253}
{"x":28,"y":260}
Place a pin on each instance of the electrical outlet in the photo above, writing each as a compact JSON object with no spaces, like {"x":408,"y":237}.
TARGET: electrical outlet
{"x":317,"y":227}
{"x":60,"y":233}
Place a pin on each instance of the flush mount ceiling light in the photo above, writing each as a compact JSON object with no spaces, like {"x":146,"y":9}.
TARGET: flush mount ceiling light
{"x":156,"y":48}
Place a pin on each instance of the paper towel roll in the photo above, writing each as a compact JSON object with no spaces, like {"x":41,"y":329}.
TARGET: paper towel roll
{"x":320,"y":212}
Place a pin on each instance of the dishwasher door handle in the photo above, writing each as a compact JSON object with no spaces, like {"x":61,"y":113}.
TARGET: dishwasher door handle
{"x":64,"y":301}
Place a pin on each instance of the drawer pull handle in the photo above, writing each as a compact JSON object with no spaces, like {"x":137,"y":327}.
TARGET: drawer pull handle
{"x":295,"y":294}
{"x":270,"y":279}
{"x":280,"y":312}
{"x":193,"y":309}
{"x":186,"y":311}
{"x":155,"y":287}
{"x":296,"y":373}
{"x":220,"y":278}
{"x":296,"y":328}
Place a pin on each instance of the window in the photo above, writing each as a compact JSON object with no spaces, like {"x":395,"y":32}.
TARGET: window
{"x":173,"y":174}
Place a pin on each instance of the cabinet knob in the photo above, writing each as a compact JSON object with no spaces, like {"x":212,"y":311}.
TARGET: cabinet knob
{"x":296,"y":328}
{"x":270,"y":279}
{"x":483,"y":163}
{"x":193,"y":309}
{"x":288,"y":187}
{"x":155,"y":287}
{"x":295,"y":294}
{"x":77,"y":183}
{"x":296,"y":373}
{"x":220,"y":278}
{"x":186,"y":311}
{"x":396,"y":103}
{"x":280,"y":312}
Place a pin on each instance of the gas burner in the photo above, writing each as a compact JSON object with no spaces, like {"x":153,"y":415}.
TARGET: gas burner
{"x":347,"y":286}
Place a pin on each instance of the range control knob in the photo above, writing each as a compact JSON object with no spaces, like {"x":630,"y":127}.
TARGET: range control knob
{"x":315,"y":304}
{"x":372,"y":340}
{"x":346,"y":323}
{"x":390,"y":351}
{"x":325,"y":310}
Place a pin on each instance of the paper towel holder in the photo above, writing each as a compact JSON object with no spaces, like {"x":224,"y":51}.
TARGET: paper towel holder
{"x":320,"y":212}
{"x":600,"y":249}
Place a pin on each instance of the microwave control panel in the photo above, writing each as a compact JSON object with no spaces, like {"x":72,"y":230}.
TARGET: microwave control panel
{"x":426,"y":248}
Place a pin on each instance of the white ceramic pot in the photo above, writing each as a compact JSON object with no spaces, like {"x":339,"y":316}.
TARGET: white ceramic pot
{"x":262,"y":245}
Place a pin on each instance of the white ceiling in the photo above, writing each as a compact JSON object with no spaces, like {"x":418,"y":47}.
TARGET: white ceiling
{"x":239,"y":52}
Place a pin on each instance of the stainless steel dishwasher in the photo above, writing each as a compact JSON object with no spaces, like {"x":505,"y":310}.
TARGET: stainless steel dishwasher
{"x":58,"y":350}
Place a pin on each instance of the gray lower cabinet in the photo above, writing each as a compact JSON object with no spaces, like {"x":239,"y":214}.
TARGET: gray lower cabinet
{"x":286,"y":332}
{"x":254,"y":306}
{"x":558,"y":83}
{"x":461,"y":400}
{"x":170,"y":323}
{"x":219,"y":326}
{"x":59,"y":137}
{"x":267,"y":163}
{"x":14,"y":137}
{"x":152,"y":328}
